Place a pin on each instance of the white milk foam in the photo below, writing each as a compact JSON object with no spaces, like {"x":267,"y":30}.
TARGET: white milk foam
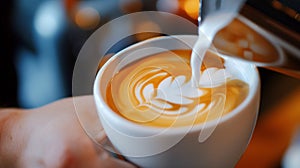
{"x":177,"y":90}
{"x":170,"y":91}
{"x":158,"y":91}
{"x":206,"y":33}
{"x":211,"y":77}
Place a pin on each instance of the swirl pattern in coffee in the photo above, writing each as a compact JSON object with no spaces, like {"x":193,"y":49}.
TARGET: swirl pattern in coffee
{"x":157,"y":91}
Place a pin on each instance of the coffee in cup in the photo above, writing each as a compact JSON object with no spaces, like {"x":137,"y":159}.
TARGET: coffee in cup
{"x":156,"y":90}
{"x":136,"y":80}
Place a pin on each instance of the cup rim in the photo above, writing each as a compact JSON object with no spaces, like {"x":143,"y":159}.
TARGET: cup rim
{"x":128,"y":125}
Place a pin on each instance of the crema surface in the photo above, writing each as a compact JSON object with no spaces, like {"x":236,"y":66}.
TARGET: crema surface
{"x":157,"y":90}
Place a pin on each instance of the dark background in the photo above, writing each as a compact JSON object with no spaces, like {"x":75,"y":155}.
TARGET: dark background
{"x":37,"y":68}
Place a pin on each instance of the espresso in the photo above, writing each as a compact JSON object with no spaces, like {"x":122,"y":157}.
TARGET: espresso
{"x":157,"y":91}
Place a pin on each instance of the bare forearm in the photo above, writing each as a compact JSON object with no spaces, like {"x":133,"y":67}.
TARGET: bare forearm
{"x":9,"y":121}
{"x":51,"y":136}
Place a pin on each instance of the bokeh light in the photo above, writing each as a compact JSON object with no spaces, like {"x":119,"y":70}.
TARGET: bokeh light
{"x":191,"y":7}
{"x":48,"y":19}
{"x":87,"y":18}
{"x":130,"y":6}
{"x":167,"y":5}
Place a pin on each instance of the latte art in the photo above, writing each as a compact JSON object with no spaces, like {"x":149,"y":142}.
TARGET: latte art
{"x":157,"y":91}
{"x":172,"y":96}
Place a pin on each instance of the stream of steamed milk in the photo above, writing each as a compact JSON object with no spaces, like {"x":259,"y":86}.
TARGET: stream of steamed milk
{"x":198,"y":52}
{"x":206,"y":32}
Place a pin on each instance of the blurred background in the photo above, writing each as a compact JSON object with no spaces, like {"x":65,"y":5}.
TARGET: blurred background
{"x":40,"y":40}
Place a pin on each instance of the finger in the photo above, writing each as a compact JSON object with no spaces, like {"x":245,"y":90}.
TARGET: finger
{"x":107,"y":161}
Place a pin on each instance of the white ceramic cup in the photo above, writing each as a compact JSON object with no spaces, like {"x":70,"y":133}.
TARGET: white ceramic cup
{"x":225,"y":139}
